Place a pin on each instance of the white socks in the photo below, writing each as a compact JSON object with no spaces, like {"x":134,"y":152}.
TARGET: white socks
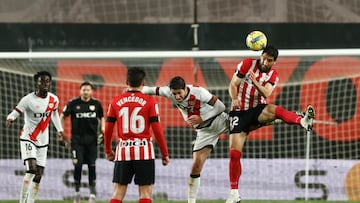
{"x":193,"y":188}
{"x":24,"y":191}
{"x":33,"y":191}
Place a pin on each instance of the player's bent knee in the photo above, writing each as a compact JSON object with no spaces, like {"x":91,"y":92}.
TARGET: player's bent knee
{"x":38,"y":174}
{"x":37,"y":178}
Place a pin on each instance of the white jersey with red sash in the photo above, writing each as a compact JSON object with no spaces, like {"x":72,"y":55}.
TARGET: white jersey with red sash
{"x":37,"y":115}
{"x":195,"y":103}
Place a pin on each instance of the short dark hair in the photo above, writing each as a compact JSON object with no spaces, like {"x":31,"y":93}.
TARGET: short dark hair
{"x":135,"y":76}
{"x":41,"y":73}
{"x":177,"y":83}
{"x":86,"y":83}
{"x":272,"y":51}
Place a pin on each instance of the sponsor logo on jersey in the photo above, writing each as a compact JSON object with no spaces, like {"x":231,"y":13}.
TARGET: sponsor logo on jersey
{"x":129,"y":143}
{"x":86,"y":115}
{"x":41,"y":115}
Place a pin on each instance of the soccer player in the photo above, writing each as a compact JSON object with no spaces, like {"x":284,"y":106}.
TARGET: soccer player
{"x":38,"y":107}
{"x":134,"y":113}
{"x":201,"y":110}
{"x":253,"y":81}
{"x":87,"y":118}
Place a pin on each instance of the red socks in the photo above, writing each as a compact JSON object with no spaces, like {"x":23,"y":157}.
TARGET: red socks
{"x":143,"y":200}
{"x":115,"y":201}
{"x":234,"y":168}
{"x":287,"y":116}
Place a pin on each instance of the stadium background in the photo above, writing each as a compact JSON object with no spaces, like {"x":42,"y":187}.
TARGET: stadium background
{"x":166,"y":25}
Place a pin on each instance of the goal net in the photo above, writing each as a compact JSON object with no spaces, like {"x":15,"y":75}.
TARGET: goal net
{"x":175,"y":11}
{"x":274,"y":158}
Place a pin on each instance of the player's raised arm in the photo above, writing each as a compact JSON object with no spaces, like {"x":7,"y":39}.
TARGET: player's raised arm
{"x":149,"y":90}
{"x":233,"y":91}
{"x":163,"y":91}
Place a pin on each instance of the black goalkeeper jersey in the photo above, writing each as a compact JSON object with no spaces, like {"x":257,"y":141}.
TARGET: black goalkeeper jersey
{"x":84,"y":119}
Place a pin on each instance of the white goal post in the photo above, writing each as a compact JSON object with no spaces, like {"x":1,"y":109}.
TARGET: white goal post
{"x":173,"y":54}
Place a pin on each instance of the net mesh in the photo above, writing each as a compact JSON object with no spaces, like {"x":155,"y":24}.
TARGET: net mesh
{"x":331,"y":84}
{"x":174,"y":11}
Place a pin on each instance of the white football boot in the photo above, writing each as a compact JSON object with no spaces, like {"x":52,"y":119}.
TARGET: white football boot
{"x":308,"y":119}
{"x":234,"y":197}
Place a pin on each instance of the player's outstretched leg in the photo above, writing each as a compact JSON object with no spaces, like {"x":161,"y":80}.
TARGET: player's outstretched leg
{"x":308,"y":119}
{"x":234,"y":197}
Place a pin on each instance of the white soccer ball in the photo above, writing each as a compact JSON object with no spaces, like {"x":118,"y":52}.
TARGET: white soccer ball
{"x":256,"y":40}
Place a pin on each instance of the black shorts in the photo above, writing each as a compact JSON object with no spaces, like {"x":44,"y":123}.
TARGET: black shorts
{"x":143,"y":170}
{"x":242,"y":121}
{"x":84,"y":154}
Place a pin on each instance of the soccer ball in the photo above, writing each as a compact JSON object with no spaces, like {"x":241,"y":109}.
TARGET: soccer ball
{"x":256,"y":40}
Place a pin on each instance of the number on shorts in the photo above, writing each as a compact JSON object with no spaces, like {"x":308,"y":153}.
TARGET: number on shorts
{"x":28,"y":147}
{"x":234,"y":121}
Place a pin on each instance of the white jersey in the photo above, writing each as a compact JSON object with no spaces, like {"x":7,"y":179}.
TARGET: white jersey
{"x":195,"y":103}
{"x":37,"y":115}
{"x":215,"y":120}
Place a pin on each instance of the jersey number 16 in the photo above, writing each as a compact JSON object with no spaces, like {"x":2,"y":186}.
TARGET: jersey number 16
{"x":134,"y":122}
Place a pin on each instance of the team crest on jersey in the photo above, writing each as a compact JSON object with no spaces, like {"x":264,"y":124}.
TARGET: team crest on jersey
{"x":265,"y":77}
{"x":77,"y":107}
{"x":92,"y":107}
{"x":51,"y":105}
{"x":191,"y":102}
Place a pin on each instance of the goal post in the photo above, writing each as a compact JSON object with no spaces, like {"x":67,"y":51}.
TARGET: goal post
{"x":274,"y":159}
{"x":173,"y":54}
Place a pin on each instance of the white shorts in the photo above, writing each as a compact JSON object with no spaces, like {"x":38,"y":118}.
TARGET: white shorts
{"x":208,"y":136}
{"x":30,"y":150}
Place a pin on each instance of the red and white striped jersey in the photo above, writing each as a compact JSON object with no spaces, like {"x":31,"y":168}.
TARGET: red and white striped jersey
{"x":134,"y":112}
{"x":37,"y":115}
{"x":134,"y":149}
{"x":248,"y":95}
